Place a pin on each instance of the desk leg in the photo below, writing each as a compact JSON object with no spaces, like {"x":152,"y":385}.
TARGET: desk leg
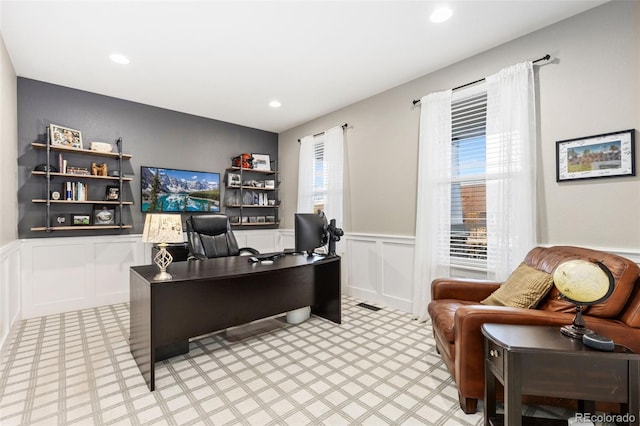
{"x":512,"y":389}
{"x":489,"y":392}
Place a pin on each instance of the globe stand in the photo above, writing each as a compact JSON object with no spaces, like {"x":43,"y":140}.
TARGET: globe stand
{"x":577,"y":329}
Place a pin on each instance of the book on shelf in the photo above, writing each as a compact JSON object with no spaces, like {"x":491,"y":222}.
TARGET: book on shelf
{"x":76,"y":191}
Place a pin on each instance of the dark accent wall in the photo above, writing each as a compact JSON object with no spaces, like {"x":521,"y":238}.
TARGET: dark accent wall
{"x":153,"y":136}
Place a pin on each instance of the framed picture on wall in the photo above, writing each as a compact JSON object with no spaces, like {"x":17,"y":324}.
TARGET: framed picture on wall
{"x":605,"y":155}
{"x":63,"y":136}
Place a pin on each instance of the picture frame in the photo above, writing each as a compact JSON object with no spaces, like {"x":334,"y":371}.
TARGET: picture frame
{"x":64,"y":136}
{"x":261,"y":162}
{"x":104,"y":216}
{"x":233,"y":179}
{"x":80,"y":220}
{"x":112,"y":193}
{"x":270,"y":184}
{"x":605,"y":155}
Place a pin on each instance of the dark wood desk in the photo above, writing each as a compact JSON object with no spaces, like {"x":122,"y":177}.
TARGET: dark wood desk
{"x":539,"y":360}
{"x":215,"y":294}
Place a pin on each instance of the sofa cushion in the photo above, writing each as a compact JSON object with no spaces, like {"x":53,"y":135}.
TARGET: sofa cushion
{"x":524,"y":288}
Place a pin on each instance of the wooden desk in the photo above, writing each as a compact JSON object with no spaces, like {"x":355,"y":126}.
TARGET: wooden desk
{"x":215,"y":294}
{"x":539,"y":360}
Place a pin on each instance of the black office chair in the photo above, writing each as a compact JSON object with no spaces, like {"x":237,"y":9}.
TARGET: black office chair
{"x":211,"y":236}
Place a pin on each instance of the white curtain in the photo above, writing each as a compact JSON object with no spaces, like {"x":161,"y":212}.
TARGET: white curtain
{"x":334,"y":170}
{"x":511,"y":169}
{"x":433,"y":211}
{"x":305,"y":175}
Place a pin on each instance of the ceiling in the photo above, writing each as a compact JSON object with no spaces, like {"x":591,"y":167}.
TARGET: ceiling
{"x":228,"y":59}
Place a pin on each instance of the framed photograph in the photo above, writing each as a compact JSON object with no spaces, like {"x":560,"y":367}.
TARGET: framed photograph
{"x":261,"y":219}
{"x":80,"y":219}
{"x":113,"y":193}
{"x":64,"y":136}
{"x":233,"y":179}
{"x":104,"y":216}
{"x":270,"y":184}
{"x":606,"y":155}
{"x":60,"y":220}
{"x":261,"y":162}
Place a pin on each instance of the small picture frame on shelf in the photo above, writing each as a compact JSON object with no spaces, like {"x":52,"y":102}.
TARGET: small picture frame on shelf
{"x":113,"y":193}
{"x":245,"y":219}
{"x":233,"y":179}
{"x":261,"y":219}
{"x":270,"y":219}
{"x":104,"y":216}
{"x":60,"y":220}
{"x":270,"y":184}
{"x":64,"y":136}
{"x":261,"y":162}
{"x":234,"y":220}
{"x":80,"y":220}
{"x":253,"y":219}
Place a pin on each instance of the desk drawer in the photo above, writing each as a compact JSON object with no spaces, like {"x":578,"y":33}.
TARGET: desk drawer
{"x":495,"y":356}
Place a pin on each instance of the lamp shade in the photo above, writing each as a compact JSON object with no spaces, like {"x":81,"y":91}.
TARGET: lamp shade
{"x":162,"y":228}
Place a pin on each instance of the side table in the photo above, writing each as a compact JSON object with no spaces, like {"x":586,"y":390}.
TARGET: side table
{"x":539,"y":360}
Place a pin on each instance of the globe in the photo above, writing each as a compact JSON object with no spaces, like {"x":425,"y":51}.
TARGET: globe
{"x":583,"y":282}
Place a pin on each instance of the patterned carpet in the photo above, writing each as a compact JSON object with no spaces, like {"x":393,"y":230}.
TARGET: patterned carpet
{"x":377,"y":368}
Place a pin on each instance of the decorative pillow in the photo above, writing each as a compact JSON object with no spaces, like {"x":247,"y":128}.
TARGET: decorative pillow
{"x":524,"y":288}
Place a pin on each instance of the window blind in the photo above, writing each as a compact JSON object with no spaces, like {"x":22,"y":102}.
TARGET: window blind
{"x":468,"y":242}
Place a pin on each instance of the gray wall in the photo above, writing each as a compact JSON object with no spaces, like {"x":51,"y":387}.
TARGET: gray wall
{"x":8,"y":149}
{"x":591,"y":87}
{"x":153,"y":136}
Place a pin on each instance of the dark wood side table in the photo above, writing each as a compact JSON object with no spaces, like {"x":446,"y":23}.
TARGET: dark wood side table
{"x":539,"y":360}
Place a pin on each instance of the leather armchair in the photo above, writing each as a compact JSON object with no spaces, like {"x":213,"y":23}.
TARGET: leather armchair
{"x":210,"y":236}
{"x":457,"y":315}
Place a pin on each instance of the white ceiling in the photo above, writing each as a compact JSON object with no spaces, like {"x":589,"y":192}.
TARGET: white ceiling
{"x":227,"y":60}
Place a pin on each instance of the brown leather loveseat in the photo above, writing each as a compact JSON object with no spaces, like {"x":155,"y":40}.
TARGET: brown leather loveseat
{"x":457,"y":315}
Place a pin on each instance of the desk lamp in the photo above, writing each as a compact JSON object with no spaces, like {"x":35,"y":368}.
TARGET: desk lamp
{"x":583,"y":283}
{"x":162,"y":229}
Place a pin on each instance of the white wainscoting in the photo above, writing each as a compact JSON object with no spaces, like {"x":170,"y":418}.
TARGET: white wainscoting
{"x":71,"y":273}
{"x":379,"y":269}
{"x":10,"y":280}
{"x":52,"y":275}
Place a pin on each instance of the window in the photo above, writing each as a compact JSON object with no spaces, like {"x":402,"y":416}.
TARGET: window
{"x":319,"y":174}
{"x":468,"y":243}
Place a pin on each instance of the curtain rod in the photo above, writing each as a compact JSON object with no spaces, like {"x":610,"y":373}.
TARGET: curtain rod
{"x":344,"y":126}
{"x":544,"y":58}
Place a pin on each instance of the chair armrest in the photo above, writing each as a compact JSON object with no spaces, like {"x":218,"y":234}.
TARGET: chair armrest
{"x":246,"y":251}
{"x":471,"y":290}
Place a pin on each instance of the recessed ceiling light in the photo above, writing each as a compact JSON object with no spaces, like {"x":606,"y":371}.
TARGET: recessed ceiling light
{"x":275,"y":104}
{"x":119,"y":59}
{"x":441,"y":14}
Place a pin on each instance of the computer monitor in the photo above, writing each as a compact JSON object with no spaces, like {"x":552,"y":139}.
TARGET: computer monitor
{"x":310,"y":232}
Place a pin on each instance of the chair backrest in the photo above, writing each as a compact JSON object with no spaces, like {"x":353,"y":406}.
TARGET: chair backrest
{"x":625,"y":273}
{"x":211,"y":236}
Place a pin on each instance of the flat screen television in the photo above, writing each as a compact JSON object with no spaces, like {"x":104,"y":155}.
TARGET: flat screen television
{"x":310,"y":232}
{"x":175,"y":190}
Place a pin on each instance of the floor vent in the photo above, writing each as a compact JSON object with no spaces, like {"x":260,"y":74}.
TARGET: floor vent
{"x":370,"y":307}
